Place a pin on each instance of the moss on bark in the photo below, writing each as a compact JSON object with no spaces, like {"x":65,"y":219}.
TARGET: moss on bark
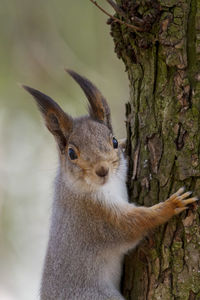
{"x":163,"y":120}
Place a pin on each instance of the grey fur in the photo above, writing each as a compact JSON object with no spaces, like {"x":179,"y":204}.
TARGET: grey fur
{"x":83,"y":249}
{"x":80,"y":246}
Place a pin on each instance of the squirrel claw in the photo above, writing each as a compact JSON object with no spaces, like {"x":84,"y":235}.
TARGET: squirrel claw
{"x":180,"y":209}
{"x":190,"y":200}
{"x":180,"y":201}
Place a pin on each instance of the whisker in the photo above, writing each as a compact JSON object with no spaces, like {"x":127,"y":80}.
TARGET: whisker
{"x":86,"y":169}
{"x":115,"y":161}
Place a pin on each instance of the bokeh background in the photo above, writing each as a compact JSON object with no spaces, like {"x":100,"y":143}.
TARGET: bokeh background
{"x":38,"y":39}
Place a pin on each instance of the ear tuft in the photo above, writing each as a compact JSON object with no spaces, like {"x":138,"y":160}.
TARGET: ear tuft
{"x":43,"y":101}
{"x":99,"y":108}
{"x":57,"y":121}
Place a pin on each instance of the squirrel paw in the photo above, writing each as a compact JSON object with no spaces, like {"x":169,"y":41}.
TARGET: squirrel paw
{"x":180,"y":201}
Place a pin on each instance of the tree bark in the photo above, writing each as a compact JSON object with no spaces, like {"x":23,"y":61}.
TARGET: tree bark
{"x":163,"y":128}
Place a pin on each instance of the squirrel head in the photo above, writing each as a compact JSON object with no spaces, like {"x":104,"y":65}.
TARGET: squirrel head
{"x":89,"y":153}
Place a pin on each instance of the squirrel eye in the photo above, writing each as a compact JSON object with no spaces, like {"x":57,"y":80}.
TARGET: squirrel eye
{"x":115,"y":143}
{"x":72,"y":154}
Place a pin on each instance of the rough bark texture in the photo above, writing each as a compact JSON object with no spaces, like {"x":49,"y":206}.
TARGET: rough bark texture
{"x":163,"y":125}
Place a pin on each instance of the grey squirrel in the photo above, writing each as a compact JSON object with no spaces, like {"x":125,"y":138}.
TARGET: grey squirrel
{"x":93,"y":225}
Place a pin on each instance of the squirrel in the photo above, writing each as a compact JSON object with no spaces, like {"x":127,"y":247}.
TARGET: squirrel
{"x":93,"y":224}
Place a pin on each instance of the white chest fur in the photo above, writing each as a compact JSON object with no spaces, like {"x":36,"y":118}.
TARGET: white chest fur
{"x":114,"y":195}
{"x":114,"y":192}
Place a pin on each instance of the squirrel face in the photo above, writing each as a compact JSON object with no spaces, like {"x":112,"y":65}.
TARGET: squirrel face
{"x":92,"y":153}
{"x":89,"y":153}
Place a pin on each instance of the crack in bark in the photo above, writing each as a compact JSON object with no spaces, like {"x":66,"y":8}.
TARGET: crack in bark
{"x":148,"y":279}
{"x":191,"y":40}
{"x":180,"y":140}
{"x":192,"y":296}
{"x":155,"y":80}
{"x":155,"y":146}
{"x":135,"y":161}
{"x":156,"y":67}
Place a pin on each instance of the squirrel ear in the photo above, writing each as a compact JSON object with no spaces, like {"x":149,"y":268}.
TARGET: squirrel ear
{"x":98,"y":108}
{"x":57,"y":121}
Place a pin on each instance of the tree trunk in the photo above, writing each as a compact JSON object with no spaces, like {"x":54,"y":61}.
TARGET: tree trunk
{"x":163,"y":124}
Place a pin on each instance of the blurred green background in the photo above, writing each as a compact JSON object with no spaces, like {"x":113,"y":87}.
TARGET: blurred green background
{"x":38,"y":39}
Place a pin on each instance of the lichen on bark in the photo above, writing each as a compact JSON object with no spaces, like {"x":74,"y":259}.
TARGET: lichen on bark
{"x":163,"y":122}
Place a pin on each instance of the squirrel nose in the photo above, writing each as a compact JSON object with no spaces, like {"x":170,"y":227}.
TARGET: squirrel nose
{"x":102,"y":171}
